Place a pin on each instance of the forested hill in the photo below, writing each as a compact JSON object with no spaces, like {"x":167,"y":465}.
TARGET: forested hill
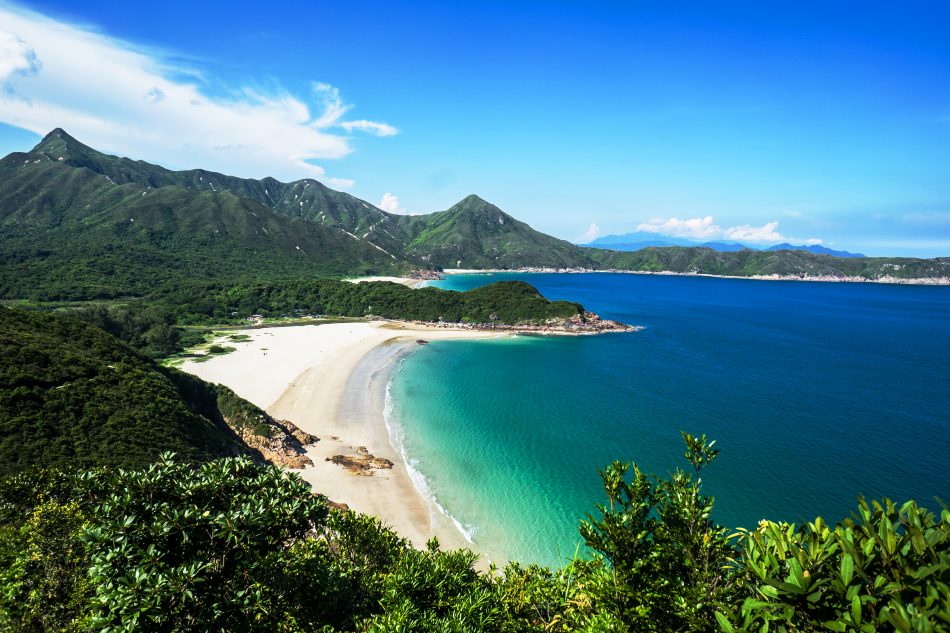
{"x":747,"y":263}
{"x":71,"y":394}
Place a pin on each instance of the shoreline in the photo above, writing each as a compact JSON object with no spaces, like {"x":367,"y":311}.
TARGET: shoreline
{"x":331,"y":380}
{"x":914,"y":281}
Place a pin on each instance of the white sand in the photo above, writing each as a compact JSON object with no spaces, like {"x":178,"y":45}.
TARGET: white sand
{"x":406,"y":281}
{"x":330,"y":380}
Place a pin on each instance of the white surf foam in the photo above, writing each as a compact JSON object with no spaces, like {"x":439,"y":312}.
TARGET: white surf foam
{"x":419,"y":481}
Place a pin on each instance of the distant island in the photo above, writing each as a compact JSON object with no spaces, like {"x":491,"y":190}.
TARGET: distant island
{"x":642,"y":239}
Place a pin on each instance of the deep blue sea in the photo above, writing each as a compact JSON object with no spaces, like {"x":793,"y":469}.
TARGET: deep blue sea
{"x":815,"y":392}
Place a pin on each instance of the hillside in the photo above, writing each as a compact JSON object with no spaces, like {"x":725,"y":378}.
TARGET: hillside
{"x":71,"y":230}
{"x":477,"y":234}
{"x":70,"y":394}
{"x":747,"y":263}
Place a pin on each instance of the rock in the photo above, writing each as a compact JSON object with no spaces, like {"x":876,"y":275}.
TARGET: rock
{"x":283,"y":446}
{"x":363,"y":463}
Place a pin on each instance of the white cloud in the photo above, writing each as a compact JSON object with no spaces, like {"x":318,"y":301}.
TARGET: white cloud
{"x":133,"y":101}
{"x":15,"y":56}
{"x":378,"y":129}
{"x":706,"y":229}
{"x":695,"y":228}
{"x":749,"y":233}
{"x":390,"y":204}
{"x":592,"y":233}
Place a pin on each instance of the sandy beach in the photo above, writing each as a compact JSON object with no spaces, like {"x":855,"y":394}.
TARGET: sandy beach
{"x":330,"y":380}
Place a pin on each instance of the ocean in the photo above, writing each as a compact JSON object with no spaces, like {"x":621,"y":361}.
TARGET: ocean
{"x":815,"y":392}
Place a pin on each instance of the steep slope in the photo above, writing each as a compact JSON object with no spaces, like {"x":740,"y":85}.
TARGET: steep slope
{"x":72,"y":232}
{"x":477,"y":234}
{"x":306,"y":198}
{"x":71,"y":394}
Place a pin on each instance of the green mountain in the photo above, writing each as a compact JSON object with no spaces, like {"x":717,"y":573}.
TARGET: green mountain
{"x":477,"y":234}
{"x":72,"y":395}
{"x":80,"y":224}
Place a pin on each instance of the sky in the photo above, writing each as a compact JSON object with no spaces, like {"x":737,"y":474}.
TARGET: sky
{"x":810,"y":122}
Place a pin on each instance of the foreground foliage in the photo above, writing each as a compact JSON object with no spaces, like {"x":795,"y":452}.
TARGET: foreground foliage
{"x":232,"y":546}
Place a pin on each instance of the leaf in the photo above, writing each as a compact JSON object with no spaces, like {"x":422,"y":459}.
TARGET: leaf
{"x":724,"y":624}
{"x":847,"y":569}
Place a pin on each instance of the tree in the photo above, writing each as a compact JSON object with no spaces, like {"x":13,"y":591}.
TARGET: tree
{"x":667,"y":566}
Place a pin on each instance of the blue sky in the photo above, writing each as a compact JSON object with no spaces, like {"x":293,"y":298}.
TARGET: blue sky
{"x":824,"y":121}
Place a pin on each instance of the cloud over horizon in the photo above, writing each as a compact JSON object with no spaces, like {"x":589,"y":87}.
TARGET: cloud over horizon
{"x":591,"y":234}
{"x":134,"y":101}
{"x":705,"y":229}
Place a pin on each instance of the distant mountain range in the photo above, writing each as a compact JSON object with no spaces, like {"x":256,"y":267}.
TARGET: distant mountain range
{"x":76,"y":223}
{"x":629,"y":242}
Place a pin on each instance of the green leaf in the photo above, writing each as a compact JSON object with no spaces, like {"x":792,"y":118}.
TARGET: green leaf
{"x":724,"y":624}
{"x":847,"y":569}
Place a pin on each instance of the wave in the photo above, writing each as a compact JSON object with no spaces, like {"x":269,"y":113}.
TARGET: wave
{"x":419,"y":481}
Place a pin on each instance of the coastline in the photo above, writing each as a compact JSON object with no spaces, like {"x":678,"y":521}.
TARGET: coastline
{"x":916,"y":281}
{"x":331,"y":381}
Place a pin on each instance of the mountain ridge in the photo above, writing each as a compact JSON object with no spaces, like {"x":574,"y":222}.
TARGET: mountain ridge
{"x":79,"y":224}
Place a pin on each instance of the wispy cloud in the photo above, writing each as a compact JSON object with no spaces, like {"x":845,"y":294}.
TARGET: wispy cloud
{"x":706,"y":229}
{"x":371,"y":127}
{"x":135,"y":101}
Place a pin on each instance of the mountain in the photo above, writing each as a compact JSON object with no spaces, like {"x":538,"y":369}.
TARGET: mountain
{"x":817,"y":249}
{"x":80,"y":224}
{"x":637,"y":240}
{"x":71,"y":394}
{"x":641,"y":239}
{"x":476,"y":234}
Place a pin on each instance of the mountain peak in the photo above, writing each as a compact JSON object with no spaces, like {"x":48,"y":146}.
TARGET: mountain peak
{"x":59,"y":142}
{"x":476,"y":204}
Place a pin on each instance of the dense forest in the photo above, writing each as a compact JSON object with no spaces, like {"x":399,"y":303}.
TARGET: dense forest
{"x":73,"y":395}
{"x":153,"y":324}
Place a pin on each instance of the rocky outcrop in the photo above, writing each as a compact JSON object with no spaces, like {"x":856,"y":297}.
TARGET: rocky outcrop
{"x":426,"y":274}
{"x":282,"y":445}
{"x":579,"y":324}
{"x":363,"y":463}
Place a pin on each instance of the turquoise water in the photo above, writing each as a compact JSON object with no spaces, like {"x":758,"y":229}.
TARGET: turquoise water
{"x":816,"y":393}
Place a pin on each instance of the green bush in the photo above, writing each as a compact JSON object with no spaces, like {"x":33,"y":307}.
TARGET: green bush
{"x":228,"y":545}
{"x":884,"y":569}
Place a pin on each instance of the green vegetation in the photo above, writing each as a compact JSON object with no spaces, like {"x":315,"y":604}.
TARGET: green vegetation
{"x":746,"y":263}
{"x":477,"y":234}
{"x":510,"y":301}
{"x":72,"y":394}
{"x":230,"y":545}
